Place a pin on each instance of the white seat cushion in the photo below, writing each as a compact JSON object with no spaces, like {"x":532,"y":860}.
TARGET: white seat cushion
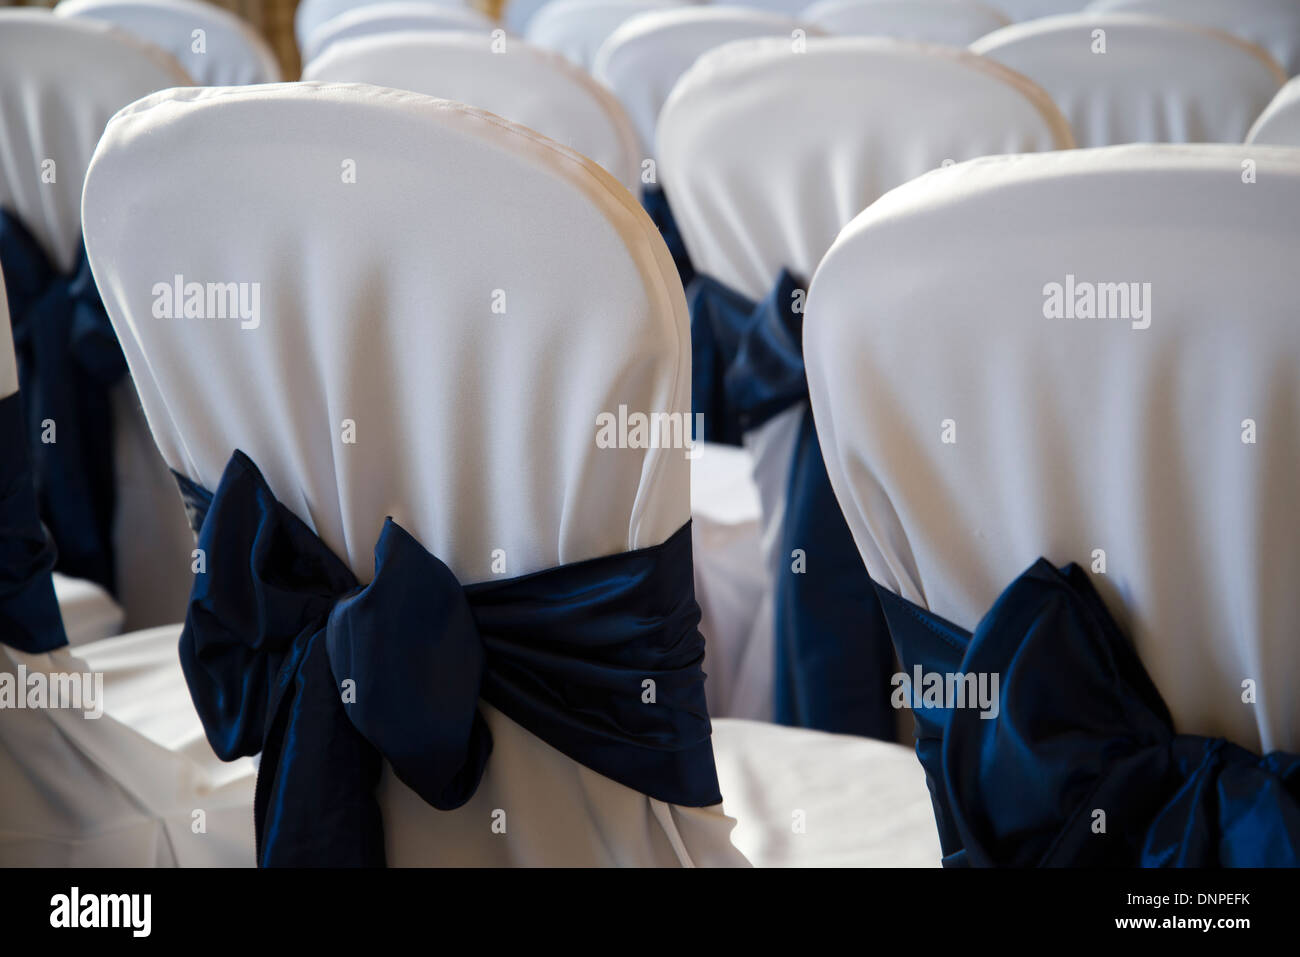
{"x":403,"y":17}
{"x":951,"y":22}
{"x":1279,"y":124}
{"x":524,"y":84}
{"x":1078,"y":435}
{"x":227,"y":52}
{"x":377,"y":307}
{"x":1154,"y":80}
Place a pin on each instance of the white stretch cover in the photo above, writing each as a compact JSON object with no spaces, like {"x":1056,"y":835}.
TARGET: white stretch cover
{"x":524,"y":84}
{"x":1279,"y":124}
{"x":1079,"y":434}
{"x":391,"y":18}
{"x":310,"y":15}
{"x":758,"y":181}
{"x":577,"y":28}
{"x":952,"y":22}
{"x":645,"y":56}
{"x":809,"y":799}
{"x":1273,"y":24}
{"x":474,"y":429}
{"x":1158,"y":81}
{"x":61,"y":79}
{"x":1018,"y":10}
{"x":233,"y":52}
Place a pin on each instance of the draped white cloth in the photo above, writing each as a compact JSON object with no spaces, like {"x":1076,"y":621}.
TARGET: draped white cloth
{"x":1273,"y":24}
{"x":1124,"y":78}
{"x":951,"y":22}
{"x":1279,"y":124}
{"x":967,"y":431}
{"x":403,"y":17}
{"x":215,"y":47}
{"x":887,"y":111}
{"x":474,"y":429}
{"x":1018,"y":10}
{"x":522,"y":83}
{"x":577,"y":28}
{"x":61,"y":79}
{"x":310,"y":15}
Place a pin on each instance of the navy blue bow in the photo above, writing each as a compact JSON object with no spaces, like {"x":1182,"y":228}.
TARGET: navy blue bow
{"x":833,"y":656}
{"x":1079,"y":728}
{"x":68,"y":360}
{"x":286,"y":654}
{"x":655,"y":203}
{"x":29,"y":612}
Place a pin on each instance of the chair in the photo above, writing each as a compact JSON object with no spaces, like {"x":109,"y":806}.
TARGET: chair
{"x":1126,"y":79}
{"x":1279,"y":124}
{"x":61,"y":79}
{"x":524,"y":84}
{"x":310,"y":15}
{"x":952,"y":22}
{"x":215,"y":47}
{"x":429,"y":362}
{"x":577,"y":28}
{"x":404,"y":17}
{"x":1021,"y":10}
{"x":1108,"y":382}
{"x":1272,"y":24}
{"x":887,"y":111}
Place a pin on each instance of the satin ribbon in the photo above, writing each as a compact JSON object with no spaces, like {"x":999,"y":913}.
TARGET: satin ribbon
{"x":68,"y":361}
{"x":286,"y":654}
{"x":655,"y":203}
{"x":833,"y":656}
{"x":1081,"y":729}
{"x":29,"y":612}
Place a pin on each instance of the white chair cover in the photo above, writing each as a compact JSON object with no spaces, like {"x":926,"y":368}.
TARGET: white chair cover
{"x":403,"y":17}
{"x":311,"y":14}
{"x":524,"y":84}
{"x":61,"y":79}
{"x":231,"y":52}
{"x":644,"y":57}
{"x":1158,"y":81}
{"x":1073,"y":435}
{"x":952,"y":22}
{"x":475,"y":430}
{"x":1279,"y":124}
{"x":1018,"y":10}
{"x":886,"y":111}
{"x":577,"y":28}
{"x":1273,"y":24}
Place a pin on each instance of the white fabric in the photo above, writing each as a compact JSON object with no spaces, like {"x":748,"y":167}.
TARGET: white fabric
{"x":1158,"y":81}
{"x":524,"y":84}
{"x":310,"y":15}
{"x":61,"y":79}
{"x":577,"y":28}
{"x":1279,"y":124}
{"x":232,"y":52}
{"x":89,"y":613}
{"x":138,"y":786}
{"x":642,"y":59}
{"x":402,"y":17}
{"x":952,"y":22}
{"x":1083,"y":434}
{"x":886,"y":111}
{"x":475,"y":430}
{"x":810,"y":799}
{"x":1273,"y":24}
{"x":518,"y":13}
{"x":1018,"y":10}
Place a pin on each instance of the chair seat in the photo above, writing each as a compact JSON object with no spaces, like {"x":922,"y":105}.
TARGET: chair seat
{"x":865,"y":803}
{"x":89,"y":613}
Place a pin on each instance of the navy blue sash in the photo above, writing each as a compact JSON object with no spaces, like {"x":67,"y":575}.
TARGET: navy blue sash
{"x":285,"y":654}
{"x":833,"y":656}
{"x":655,"y":203}
{"x":29,"y":613}
{"x":1080,"y":729}
{"x":68,"y":361}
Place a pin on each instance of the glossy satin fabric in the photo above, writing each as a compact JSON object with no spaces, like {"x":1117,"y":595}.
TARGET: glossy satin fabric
{"x":833,"y":656}
{"x":278,"y":625}
{"x":29,"y":611}
{"x":68,"y":360}
{"x":1081,"y":728}
{"x":655,"y":202}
